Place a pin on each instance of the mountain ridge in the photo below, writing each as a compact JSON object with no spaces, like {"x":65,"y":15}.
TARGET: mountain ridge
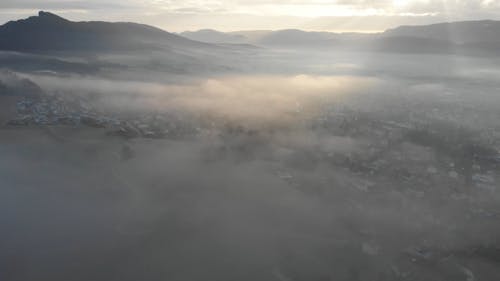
{"x":50,"y":32}
{"x":461,"y":32}
{"x":419,"y":31}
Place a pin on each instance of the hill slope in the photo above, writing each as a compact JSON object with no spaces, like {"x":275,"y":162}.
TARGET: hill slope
{"x":49,"y":32}
{"x":466,"y":32}
{"x":466,"y":37}
{"x":214,"y":36}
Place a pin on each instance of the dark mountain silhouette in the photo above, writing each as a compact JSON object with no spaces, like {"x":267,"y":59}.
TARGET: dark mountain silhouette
{"x":49,"y":32}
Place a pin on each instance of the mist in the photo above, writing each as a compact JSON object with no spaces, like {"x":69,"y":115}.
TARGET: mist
{"x":238,"y":162}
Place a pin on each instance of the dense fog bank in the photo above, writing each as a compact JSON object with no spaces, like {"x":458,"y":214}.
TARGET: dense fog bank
{"x":374,"y":168}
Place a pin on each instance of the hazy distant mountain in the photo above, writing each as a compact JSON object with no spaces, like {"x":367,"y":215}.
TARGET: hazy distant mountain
{"x":408,"y":44}
{"x":287,"y":37}
{"x":214,"y":36}
{"x":298,"y":38}
{"x":458,"y":32}
{"x":469,"y":37}
{"x":353,"y":41}
{"x":49,"y":32}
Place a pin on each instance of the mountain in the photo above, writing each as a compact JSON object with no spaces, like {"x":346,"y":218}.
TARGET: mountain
{"x":214,"y":36}
{"x":298,"y":38}
{"x":49,"y":32}
{"x":412,"y":45}
{"x":287,"y":37}
{"x":466,"y":32}
{"x":467,"y":37}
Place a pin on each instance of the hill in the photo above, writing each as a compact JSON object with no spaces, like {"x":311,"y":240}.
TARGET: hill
{"x":465,"y":32}
{"x":49,"y":32}
{"x":214,"y":36}
{"x":466,"y":37}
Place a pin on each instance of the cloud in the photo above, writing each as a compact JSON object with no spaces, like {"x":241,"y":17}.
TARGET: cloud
{"x":230,"y":15}
{"x":269,"y":206}
{"x":236,"y":98}
{"x":269,"y":8}
{"x":64,"y":5}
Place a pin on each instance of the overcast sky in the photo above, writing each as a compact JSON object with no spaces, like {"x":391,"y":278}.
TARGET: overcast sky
{"x":228,"y":15}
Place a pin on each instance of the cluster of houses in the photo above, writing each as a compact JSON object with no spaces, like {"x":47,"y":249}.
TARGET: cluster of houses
{"x":416,"y":151}
{"x":390,"y":150}
{"x":56,"y":111}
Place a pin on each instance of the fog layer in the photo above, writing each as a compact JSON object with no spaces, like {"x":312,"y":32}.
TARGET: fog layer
{"x":356,"y":170}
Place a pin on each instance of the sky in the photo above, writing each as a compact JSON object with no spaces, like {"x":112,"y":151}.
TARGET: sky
{"x":233,"y":15}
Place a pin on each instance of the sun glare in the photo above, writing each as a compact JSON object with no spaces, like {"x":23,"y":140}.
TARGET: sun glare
{"x":400,"y":3}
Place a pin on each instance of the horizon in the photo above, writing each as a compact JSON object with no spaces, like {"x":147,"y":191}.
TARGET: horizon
{"x":243,"y":15}
{"x":35,"y":14}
